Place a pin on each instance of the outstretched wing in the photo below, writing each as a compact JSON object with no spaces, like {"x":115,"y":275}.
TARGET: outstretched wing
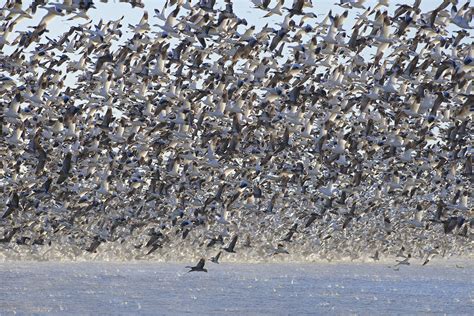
{"x":233,"y":242}
{"x":298,"y":5}
{"x":201,"y":263}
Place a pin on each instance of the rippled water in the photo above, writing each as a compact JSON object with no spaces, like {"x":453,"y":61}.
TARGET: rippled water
{"x":279,"y":289}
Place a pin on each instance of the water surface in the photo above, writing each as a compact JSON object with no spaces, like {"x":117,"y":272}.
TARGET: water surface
{"x":278,"y":289}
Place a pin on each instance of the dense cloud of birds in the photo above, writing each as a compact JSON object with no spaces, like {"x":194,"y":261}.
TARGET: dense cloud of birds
{"x":321,"y":135}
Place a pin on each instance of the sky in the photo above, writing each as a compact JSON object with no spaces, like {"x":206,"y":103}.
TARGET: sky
{"x":245,"y":9}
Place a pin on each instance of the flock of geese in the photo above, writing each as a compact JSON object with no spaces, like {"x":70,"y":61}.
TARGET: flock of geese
{"x":195,"y":134}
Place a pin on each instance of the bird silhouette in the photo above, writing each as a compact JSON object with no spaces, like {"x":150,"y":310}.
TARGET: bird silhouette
{"x":199,"y":267}
{"x":231,"y":246}
{"x":215,"y":259}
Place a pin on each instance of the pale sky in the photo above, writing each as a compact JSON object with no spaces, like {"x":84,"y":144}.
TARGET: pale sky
{"x":243,"y":8}
{"x":114,"y":10}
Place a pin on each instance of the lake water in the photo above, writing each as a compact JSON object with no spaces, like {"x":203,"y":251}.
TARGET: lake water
{"x":240,"y":289}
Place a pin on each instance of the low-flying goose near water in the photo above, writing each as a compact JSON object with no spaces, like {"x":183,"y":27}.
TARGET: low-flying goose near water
{"x":430,"y":255}
{"x":215,"y":259}
{"x":199,"y":267}
{"x":231,"y":246}
{"x":280,"y":250}
{"x":375,"y":257}
{"x":404,"y":261}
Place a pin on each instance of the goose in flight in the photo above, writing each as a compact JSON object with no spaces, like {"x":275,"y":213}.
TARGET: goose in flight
{"x":215,"y":259}
{"x":280,"y":250}
{"x":231,"y":246}
{"x":199,"y":267}
{"x":404,"y":261}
